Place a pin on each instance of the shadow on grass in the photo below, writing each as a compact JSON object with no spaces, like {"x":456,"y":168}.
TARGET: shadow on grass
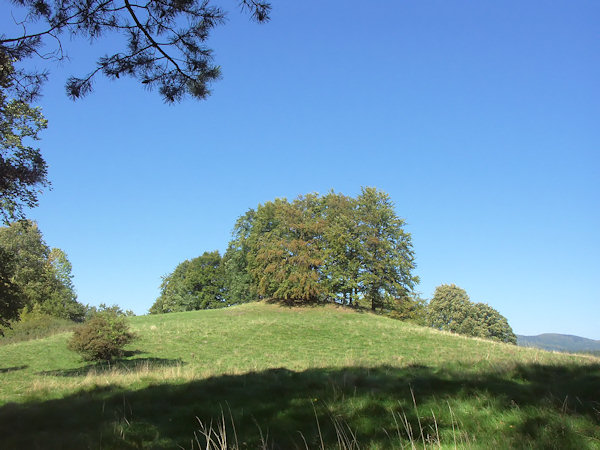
{"x":12,"y":369}
{"x":528,"y":406}
{"x":116,"y":365}
{"x":294,"y":304}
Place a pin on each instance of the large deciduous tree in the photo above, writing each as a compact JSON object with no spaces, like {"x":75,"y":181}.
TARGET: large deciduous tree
{"x":331,"y":248}
{"x":286,"y":250}
{"x":341,"y":264}
{"x":40,"y":275}
{"x":11,"y":298}
{"x":385,"y":252}
{"x":194,"y":284}
{"x":165,"y":41}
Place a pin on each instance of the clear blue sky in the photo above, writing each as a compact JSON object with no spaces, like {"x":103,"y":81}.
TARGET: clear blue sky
{"x":480,"y":119}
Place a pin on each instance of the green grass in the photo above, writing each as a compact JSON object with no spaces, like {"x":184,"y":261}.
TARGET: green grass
{"x":299,"y":377}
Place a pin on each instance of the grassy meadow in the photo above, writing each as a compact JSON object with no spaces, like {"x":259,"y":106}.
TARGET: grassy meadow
{"x":267,"y":376}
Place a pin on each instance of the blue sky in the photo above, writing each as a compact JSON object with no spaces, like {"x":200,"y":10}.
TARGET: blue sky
{"x":481,"y":120}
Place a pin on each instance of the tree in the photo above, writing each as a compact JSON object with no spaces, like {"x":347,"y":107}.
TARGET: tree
{"x":492,"y":324}
{"x":42,"y":275}
{"x":11,"y":298}
{"x":23,"y":171}
{"x":62,"y":300}
{"x":410,"y":307}
{"x":450,"y":309}
{"x":194,"y":284}
{"x":385,"y":253}
{"x":341,"y":264}
{"x":286,"y":251}
{"x":165,"y":41}
{"x":238,"y":281}
{"x":328,"y":248}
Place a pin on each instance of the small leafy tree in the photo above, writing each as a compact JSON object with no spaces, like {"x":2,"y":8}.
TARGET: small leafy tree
{"x":102,"y":337}
{"x":450,"y":309}
{"x":409,"y":307}
{"x":492,"y":324}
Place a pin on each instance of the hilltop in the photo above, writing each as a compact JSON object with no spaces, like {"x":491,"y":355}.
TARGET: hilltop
{"x":302,"y":377}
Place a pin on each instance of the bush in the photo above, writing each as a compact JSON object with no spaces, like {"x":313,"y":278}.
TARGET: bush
{"x":451,"y":309}
{"x":102,"y":337}
{"x":35,"y":324}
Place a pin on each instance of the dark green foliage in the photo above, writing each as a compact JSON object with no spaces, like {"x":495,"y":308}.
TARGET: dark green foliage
{"x":410,"y":308}
{"x":40,"y":275}
{"x":11,"y":298}
{"x":102,"y":337}
{"x":324,"y":248}
{"x":341,"y":264}
{"x":450,"y":309}
{"x":238,"y":281}
{"x":91,"y":311}
{"x":194,"y":284}
{"x":385,"y":254}
{"x":36,"y":325}
{"x":164,"y":42}
{"x":332,"y":248}
{"x":23,"y":171}
{"x":285,"y":250}
{"x":491,"y":324}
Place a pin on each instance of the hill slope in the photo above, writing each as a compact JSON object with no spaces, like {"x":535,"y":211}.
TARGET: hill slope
{"x":559,"y":342}
{"x":302,"y":377}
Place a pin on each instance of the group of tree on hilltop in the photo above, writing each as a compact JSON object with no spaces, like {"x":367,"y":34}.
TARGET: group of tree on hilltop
{"x":331,"y":248}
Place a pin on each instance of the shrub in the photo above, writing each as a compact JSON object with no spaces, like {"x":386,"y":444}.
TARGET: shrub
{"x":450,"y":309}
{"x":35,"y":324}
{"x":102,"y":337}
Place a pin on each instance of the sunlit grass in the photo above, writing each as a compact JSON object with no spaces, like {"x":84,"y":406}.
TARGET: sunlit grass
{"x":286,"y":370}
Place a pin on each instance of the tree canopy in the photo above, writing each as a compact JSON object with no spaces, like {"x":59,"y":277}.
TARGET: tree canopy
{"x":165,"y":42}
{"x":194,"y":284}
{"x":11,"y":298}
{"x":326,"y":248}
{"x":451,"y":309}
{"x":331,"y":248}
{"x":36,"y":276}
{"x":23,"y":171}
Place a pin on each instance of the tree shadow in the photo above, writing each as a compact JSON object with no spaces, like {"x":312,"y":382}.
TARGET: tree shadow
{"x":532,"y":406}
{"x":295,"y":304}
{"x":12,"y":369}
{"x":117,"y":365}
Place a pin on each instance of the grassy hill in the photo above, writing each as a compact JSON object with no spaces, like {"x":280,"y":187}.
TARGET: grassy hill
{"x":560,"y":342}
{"x":320,"y":377}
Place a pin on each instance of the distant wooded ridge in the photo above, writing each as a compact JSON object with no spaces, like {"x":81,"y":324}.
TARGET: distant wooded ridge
{"x":560,"y":342}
